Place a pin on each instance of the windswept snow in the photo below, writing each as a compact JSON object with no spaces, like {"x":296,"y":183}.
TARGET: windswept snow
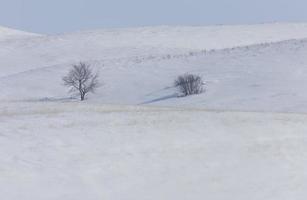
{"x":12,"y":34}
{"x":77,"y":151}
{"x":156,"y":146}
{"x":266,"y":77}
{"x":125,"y":44}
{"x":138,"y":66}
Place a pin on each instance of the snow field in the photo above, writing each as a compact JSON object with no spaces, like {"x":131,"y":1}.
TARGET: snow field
{"x":78,"y":151}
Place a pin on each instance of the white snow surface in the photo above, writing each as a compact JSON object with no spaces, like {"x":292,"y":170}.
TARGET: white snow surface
{"x":134,"y":139}
{"x":265,"y":77}
{"x":128,"y":43}
{"x":12,"y":34}
{"x":73,"y":151}
{"x":249,"y":67}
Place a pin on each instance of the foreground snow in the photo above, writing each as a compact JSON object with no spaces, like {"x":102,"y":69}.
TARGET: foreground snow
{"x":72,"y":151}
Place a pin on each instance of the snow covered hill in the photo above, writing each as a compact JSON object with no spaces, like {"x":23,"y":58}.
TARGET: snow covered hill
{"x":12,"y":34}
{"x":78,"y":151}
{"x":37,"y":52}
{"x":268,"y":77}
{"x":252,"y":67}
{"x":52,"y":147}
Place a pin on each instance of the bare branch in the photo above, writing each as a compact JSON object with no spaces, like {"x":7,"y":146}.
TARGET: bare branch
{"x":189,"y":84}
{"x":81,"y":79}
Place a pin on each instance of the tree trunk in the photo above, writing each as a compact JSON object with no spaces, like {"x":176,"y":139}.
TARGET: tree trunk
{"x":80,"y":90}
{"x":82,"y":96}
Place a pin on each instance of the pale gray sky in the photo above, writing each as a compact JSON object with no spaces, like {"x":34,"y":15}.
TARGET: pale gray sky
{"x":56,"y":16}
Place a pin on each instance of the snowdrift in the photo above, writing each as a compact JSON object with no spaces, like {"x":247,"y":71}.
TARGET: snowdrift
{"x":56,"y":151}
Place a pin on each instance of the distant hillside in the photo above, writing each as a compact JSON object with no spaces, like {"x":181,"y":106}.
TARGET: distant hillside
{"x":37,"y":52}
{"x":266,"y":75}
{"x":7,"y":33}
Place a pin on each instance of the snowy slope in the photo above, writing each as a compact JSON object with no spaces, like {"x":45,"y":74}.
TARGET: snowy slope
{"x":12,"y":34}
{"x":56,"y":151}
{"x":54,"y":148}
{"x":19,"y":56}
{"x":138,"y":66}
{"x":268,"y":77}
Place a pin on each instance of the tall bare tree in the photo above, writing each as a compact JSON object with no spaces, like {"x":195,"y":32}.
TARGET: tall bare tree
{"x":81,"y":79}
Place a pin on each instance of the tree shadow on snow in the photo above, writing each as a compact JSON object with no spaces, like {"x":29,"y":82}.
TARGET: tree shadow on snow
{"x":160,"y":99}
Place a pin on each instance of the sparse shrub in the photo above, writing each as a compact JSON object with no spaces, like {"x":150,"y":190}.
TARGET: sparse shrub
{"x":189,"y":84}
{"x":81,"y":79}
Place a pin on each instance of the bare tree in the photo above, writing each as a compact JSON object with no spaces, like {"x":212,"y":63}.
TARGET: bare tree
{"x":81,"y":79}
{"x":189,"y":84}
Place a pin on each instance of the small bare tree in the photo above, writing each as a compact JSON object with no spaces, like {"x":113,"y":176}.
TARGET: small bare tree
{"x":189,"y":84}
{"x":81,"y":79}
